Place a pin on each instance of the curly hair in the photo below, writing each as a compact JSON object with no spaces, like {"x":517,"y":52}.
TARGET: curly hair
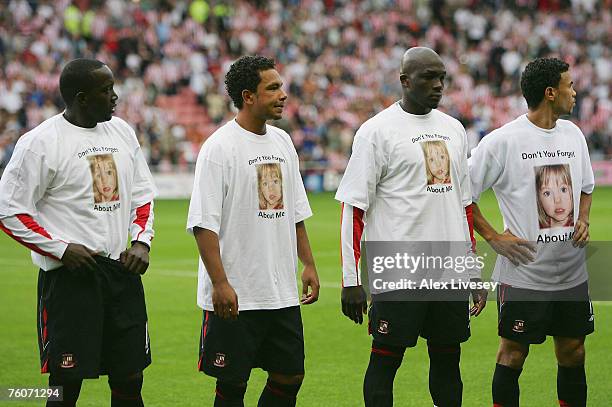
{"x":539,"y":75}
{"x":244,"y":75}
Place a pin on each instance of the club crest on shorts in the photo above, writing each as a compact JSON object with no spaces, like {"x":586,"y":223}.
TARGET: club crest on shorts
{"x":519,"y":326}
{"x":383,"y":327}
{"x":68,"y":361}
{"x":219,"y":360}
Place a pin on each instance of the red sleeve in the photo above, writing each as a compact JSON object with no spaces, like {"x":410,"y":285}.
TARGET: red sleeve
{"x":25,"y":230}
{"x":351,"y":230}
{"x":470,"y":221}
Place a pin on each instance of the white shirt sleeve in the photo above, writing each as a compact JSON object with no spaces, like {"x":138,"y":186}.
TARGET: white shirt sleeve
{"x":485,"y":169}
{"x":143,"y":188}
{"x":351,"y":230}
{"x":205,"y":206}
{"x":363,"y":173}
{"x":23,"y":184}
{"x":141,"y":223}
{"x":302,"y":207}
{"x":466,"y":187}
{"x":25,"y":230}
{"x":143,"y":193}
{"x":588,"y":178}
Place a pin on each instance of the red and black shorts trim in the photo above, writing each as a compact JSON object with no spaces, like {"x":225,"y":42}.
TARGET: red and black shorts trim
{"x":528,"y":316}
{"x":269,"y":339}
{"x":92,"y":323}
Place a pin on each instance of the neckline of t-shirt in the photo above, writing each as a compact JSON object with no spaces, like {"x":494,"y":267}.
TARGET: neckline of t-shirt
{"x":544,"y":132}
{"x":257,"y":138}
{"x":89,"y":130}
{"x":413,"y":116}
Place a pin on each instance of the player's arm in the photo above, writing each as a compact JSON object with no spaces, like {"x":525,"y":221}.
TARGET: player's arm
{"x":224,"y":298}
{"x":581,"y":227}
{"x":354,"y":299}
{"x":24,"y":229}
{"x":485,"y":172}
{"x":204,"y":221}
{"x":310,"y":278}
{"x":357,"y":190}
{"x":517,"y":250}
{"x":478,"y":296}
{"x":24,"y":182}
{"x":136,"y":258}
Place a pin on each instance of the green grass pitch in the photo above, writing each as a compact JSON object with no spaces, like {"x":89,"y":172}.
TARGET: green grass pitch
{"x":337,"y":351}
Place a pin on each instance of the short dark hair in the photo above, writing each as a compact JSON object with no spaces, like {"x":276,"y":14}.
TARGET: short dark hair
{"x":539,"y":75}
{"x":244,"y":74}
{"x":76,"y":77}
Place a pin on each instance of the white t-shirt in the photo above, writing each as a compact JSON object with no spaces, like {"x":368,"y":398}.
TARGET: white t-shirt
{"x":80,"y":185}
{"x":249,"y":191}
{"x":406,"y":198}
{"x":511,"y":160}
{"x":400,"y":174}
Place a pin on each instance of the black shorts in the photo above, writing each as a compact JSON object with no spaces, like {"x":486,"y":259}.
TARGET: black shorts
{"x":400,"y":323}
{"x":92,"y":323}
{"x":531,"y":321}
{"x":270,"y":339}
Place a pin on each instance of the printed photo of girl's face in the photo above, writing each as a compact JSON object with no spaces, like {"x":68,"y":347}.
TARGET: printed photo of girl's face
{"x":555,"y":196}
{"x":271,"y":188}
{"x":270,"y":185}
{"x":437,"y":162}
{"x":105,"y":179}
{"x":438,"y":165}
{"x":556,"y":201}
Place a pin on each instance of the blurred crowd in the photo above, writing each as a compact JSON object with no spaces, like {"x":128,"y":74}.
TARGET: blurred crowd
{"x":339,"y":60}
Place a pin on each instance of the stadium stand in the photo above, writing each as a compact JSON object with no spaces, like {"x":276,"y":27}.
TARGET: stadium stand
{"x":337,"y":57}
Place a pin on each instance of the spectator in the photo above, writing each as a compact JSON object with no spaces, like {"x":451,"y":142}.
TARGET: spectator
{"x":170,"y":58}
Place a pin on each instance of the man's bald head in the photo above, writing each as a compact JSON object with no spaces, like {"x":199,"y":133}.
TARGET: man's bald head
{"x":418,"y":58}
{"x":422,"y":77}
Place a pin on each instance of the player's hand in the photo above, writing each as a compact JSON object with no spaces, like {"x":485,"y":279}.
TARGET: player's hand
{"x":225,"y":300}
{"x":310,"y":278}
{"x":78,"y":256}
{"x":517,"y":250}
{"x":136,"y":258}
{"x":581,"y":233}
{"x":480,"y":299}
{"x":354,"y":303}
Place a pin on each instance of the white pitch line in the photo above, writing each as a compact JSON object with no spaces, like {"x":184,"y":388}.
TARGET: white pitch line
{"x":13,"y":263}
{"x":194,"y":274}
{"x":190,"y":274}
{"x":152,"y":272}
{"x":191,"y":261}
